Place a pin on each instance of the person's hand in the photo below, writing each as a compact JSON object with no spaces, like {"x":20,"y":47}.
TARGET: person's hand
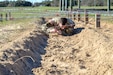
{"x":63,"y":27}
{"x":59,"y":32}
{"x":52,"y":30}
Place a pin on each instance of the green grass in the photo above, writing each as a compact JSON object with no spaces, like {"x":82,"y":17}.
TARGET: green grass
{"x":26,"y":11}
{"x":15,"y":22}
{"x":92,"y":7}
{"x":24,"y":14}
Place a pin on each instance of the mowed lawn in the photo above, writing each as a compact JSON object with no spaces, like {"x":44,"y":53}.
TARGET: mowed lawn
{"x":24,"y":14}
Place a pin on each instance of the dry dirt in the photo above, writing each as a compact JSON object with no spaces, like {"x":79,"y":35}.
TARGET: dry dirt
{"x":87,"y":52}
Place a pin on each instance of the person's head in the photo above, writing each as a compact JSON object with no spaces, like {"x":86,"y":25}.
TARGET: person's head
{"x":63,"y":21}
{"x":50,"y":23}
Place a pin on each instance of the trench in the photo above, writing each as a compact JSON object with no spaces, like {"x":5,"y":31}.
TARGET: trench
{"x":88,"y":52}
{"x":23,"y":55}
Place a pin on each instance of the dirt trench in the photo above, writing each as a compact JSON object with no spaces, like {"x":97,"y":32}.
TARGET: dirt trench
{"x":24,"y":54}
{"x":87,"y":52}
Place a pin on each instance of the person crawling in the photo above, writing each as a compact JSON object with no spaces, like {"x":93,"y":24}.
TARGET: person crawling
{"x":60,"y":25}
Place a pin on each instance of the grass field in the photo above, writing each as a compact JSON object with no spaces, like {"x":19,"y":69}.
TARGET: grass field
{"x":25,"y":14}
{"x":33,"y":11}
{"x":94,"y":7}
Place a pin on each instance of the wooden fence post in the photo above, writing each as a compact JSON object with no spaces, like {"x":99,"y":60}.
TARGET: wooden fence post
{"x":78,"y":16}
{"x":69,"y":15}
{"x":73,"y":16}
{"x":86,"y":20}
{"x":6,"y":15}
{"x":1,"y":17}
{"x":97,"y":20}
{"x":9,"y":15}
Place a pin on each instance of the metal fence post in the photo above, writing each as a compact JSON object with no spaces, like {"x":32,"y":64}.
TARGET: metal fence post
{"x":97,"y":20}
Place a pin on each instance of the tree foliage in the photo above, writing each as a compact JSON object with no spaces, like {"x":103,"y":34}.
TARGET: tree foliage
{"x":15,"y":3}
{"x":95,"y":2}
{"x":9,"y":3}
{"x":23,"y":3}
{"x":4,"y":3}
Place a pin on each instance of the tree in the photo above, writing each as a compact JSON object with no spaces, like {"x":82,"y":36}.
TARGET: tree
{"x":93,"y":2}
{"x":23,"y":3}
{"x":46,"y":3}
{"x":55,"y":3}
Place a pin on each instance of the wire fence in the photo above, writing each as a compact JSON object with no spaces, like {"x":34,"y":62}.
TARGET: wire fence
{"x":86,"y":16}
{"x":29,"y":13}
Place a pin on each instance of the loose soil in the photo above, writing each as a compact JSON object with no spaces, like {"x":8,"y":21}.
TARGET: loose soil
{"x":87,"y":52}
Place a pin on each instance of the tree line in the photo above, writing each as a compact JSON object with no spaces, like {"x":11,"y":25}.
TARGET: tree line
{"x":95,"y":2}
{"x":7,"y":3}
{"x":17,"y":3}
{"x":75,"y":3}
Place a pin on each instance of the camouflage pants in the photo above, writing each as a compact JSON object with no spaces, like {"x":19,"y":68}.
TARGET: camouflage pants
{"x":68,"y":31}
{"x":46,"y":29}
{"x":65,"y":32}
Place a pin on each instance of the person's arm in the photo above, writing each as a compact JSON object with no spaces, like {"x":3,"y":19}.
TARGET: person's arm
{"x":67,"y":26}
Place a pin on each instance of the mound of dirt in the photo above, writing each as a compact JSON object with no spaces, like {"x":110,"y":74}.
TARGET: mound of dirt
{"x":88,"y":52}
{"x":23,"y":54}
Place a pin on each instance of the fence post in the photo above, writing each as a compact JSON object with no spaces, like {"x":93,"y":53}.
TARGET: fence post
{"x":86,"y":17}
{"x":1,"y":17}
{"x":9,"y":15}
{"x":6,"y":15}
{"x":73,"y":16}
{"x":78,"y":16}
{"x":69,"y":15}
{"x":97,"y":20}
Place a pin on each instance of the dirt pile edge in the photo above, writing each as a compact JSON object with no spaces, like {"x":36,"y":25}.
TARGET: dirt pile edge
{"x":23,"y":55}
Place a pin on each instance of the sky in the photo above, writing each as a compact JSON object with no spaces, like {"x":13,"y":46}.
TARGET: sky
{"x":27,"y":0}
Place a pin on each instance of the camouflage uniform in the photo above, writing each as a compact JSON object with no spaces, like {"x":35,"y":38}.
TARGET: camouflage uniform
{"x":69,"y":30}
{"x":41,"y":21}
{"x":46,"y":28}
{"x":56,"y":21}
